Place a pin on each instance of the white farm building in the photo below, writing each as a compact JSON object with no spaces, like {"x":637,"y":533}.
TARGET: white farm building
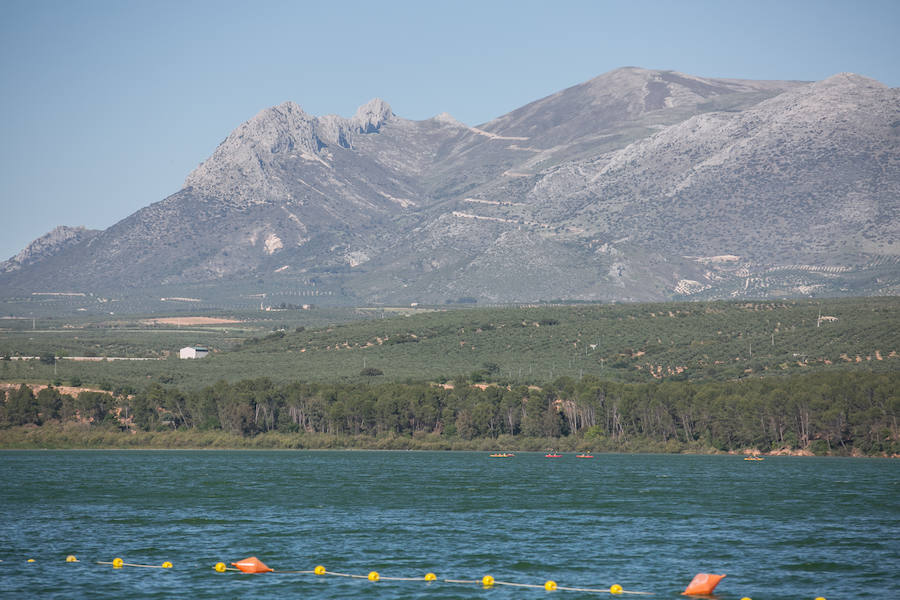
{"x":193,"y":352}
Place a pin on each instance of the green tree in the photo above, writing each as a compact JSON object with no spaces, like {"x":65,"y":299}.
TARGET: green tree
{"x":49,"y":402}
{"x":95,"y":407}
{"x":21,"y":406}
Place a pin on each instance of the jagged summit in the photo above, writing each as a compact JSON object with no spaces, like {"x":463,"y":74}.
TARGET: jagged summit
{"x":240,"y":169}
{"x":237,"y":170}
{"x":371,"y":116}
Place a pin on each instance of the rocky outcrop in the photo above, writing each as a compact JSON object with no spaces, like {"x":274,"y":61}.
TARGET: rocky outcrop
{"x":47,"y":246}
{"x":243,"y":170}
{"x":371,"y":116}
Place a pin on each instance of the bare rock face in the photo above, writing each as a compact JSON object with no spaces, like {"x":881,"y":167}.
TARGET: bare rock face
{"x":635,"y":185}
{"x":243,"y":169}
{"x":239,"y":171}
{"x":335,"y":130}
{"x":371,"y":116}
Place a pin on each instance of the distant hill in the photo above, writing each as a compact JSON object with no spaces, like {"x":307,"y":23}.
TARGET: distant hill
{"x":635,"y":185}
{"x":48,"y":245}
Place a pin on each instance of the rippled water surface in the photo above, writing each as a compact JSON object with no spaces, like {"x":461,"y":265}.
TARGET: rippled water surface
{"x":780,"y":528}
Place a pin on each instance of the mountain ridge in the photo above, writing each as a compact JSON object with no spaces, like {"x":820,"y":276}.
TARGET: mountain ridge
{"x":619,"y":188}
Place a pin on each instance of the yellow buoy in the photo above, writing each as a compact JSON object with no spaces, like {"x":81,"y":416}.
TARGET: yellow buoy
{"x":373,"y":576}
{"x":487,"y":581}
{"x":319,"y":570}
{"x":71,"y":558}
{"x":430,"y":577}
{"x":220,"y":567}
{"x":167,"y":565}
{"x":550,"y":585}
{"x":117,"y":563}
{"x":616,"y":589}
{"x":30,"y":560}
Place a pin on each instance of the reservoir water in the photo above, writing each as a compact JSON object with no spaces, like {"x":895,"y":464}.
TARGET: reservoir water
{"x":780,"y":528}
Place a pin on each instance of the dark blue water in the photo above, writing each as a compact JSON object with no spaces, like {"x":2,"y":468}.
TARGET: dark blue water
{"x":781,"y":528}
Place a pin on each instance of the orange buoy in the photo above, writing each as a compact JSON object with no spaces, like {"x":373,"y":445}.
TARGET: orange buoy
{"x":702,"y":584}
{"x":252,"y":565}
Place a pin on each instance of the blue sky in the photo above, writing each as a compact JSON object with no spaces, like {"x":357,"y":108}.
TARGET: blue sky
{"x":106,"y":106}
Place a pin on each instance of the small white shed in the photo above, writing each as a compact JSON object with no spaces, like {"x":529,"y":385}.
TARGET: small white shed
{"x":193,"y":352}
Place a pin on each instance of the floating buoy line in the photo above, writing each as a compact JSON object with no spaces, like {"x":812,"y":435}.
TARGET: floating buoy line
{"x":253,"y":565}
{"x":702,"y":584}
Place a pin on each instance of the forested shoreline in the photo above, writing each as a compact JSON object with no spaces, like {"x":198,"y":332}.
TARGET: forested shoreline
{"x":836,"y":413}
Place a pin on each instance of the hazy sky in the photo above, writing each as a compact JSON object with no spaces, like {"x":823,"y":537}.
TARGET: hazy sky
{"x":106,"y":106}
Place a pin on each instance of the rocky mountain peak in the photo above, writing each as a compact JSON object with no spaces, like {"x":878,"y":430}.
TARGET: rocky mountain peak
{"x":274,"y":129}
{"x":371,"y":116}
{"x":238,"y":168}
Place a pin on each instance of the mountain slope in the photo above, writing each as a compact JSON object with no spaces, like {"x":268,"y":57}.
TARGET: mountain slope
{"x":808,"y":178}
{"x":47,"y":246}
{"x":635,"y":185}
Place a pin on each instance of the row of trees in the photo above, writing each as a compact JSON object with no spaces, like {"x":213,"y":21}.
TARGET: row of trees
{"x":838,"y":412}
{"x":24,"y":407}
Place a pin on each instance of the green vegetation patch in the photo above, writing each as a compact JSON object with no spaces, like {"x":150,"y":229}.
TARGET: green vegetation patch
{"x":523,"y":345}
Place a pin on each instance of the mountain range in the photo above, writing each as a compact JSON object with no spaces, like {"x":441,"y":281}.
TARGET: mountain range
{"x":636,"y":185}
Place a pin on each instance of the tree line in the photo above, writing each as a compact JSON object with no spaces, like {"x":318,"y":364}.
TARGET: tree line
{"x":838,"y":413}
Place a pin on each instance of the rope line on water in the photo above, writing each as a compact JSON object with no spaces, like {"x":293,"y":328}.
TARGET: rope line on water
{"x":118,"y":563}
{"x":595,"y":590}
{"x":612,"y":590}
{"x":253,"y":565}
{"x":345,"y":575}
{"x":487,"y":581}
{"x":281,"y":572}
{"x":525,"y":585}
